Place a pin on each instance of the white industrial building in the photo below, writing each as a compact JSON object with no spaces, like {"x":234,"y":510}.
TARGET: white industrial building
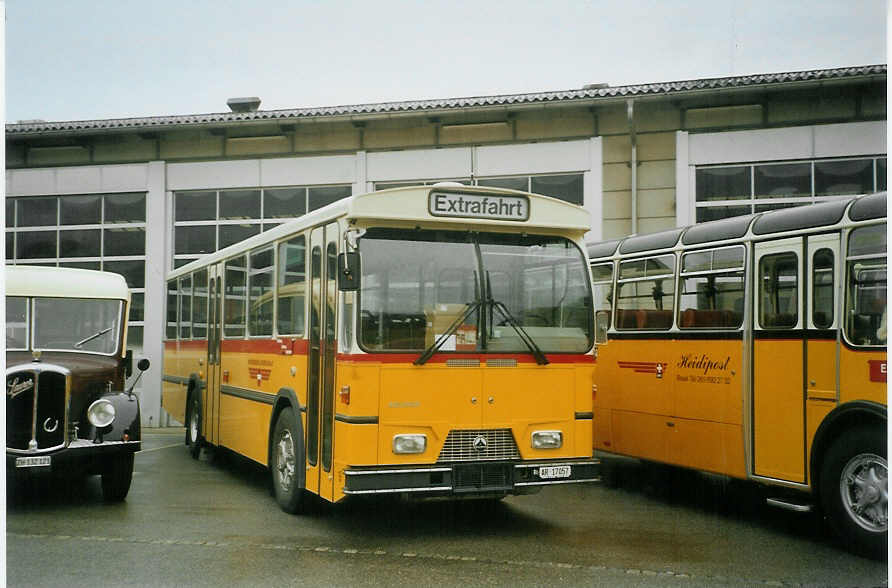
{"x":141,"y":196}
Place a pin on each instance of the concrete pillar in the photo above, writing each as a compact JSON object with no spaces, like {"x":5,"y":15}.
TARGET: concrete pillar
{"x":158,"y":224}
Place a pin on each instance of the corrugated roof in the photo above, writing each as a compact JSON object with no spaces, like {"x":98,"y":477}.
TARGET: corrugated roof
{"x":409,"y":106}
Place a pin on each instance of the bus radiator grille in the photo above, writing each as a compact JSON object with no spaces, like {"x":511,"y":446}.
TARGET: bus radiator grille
{"x":466,"y":445}
{"x":484,"y":476}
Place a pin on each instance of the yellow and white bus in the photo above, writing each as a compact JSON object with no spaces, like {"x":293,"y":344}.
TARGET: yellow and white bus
{"x":754,"y":347}
{"x":434,"y":340}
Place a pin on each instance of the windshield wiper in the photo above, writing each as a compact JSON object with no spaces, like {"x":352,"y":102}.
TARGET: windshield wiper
{"x":432,"y":348}
{"x":521,"y":332}
{"x":80,"y":343}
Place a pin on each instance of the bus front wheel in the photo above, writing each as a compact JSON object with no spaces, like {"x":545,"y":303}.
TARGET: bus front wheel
{"x":193,"y":426}
{"x":286,"y":459}
{"x":855,"y":490}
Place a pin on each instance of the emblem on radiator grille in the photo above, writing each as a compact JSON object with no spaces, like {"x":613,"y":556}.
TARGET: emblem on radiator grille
{"x":479,"y":443}
{"x":50,"y":425}
{"x":15,"y":387}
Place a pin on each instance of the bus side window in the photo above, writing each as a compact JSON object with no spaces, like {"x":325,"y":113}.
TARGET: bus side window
{"x":602,"y":291}
{"x":712,"y":289}
{"x":646,"y":293}
{"x":291,"y":286}
{"x":186,"y":307}
{"x":866,"y":286}
{"x":778,"y":291}
{"x":260,"y":292}
{"x":234,"y":297}
{"x":822,"y":288}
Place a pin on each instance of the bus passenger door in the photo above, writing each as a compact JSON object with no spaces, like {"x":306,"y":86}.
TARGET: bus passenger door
{"x":779,"y":361}
{"x":321,"y":359}
{"x":211,"y":393}
{"x":823,"y":272}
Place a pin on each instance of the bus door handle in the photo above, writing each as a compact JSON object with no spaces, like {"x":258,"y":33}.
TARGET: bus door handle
{"x":670,"y":424}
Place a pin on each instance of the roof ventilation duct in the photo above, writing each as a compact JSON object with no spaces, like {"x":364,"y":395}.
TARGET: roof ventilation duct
{"x":245,"y":104}
{"x":596,"y":86}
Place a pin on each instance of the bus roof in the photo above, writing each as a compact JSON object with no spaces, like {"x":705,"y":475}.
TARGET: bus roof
{"x":64,"y":282}
{"x":871,"y":206}
{"x":411,"y":204}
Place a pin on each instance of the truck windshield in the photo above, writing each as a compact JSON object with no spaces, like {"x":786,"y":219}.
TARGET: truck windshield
{"x":417,"y":284}
{"x":77,"y":324}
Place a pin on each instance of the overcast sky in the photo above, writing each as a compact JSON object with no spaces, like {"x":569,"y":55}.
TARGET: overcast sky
{"x":95,"y":59}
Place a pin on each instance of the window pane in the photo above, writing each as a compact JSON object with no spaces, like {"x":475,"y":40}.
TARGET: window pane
{"x":866,"y":322}
{"x":843,"y":177}
{"x":778,"y":291}
{"x":773,"y":181}
{"x":196,"y":240}
{"x":35,"y":245}
{"x":230,"y":234}
{"x":881,"y":175}
{"x":388,"y":186}
{"x":16,"y":322}
{"x":129,"y":241}
{"x":822,"y":289}
{"x":234,"y":298}
{"x":292,"y":287}
{"x":645,"y":304}
{"x":868,"y":240}
{"x":90,"y":265}
{"x":319,"y":197}
{"x":36,"y":212}
{"x":80,"y":243}
{"x":137,"y":306}
{"x":10,"y":245}
{"x":284,"y":203}
{"x":510,"y":183}
{"x":133,"y":271}
{"x":10,"y":212}
{"x":171,"y":331}
{"x":711,"y":301}
{"x":567,"y":188}
{"x":240,"y":204}
{"x":195,"y":206}
{"x":200,"y":304}
{"x":125,"y":208}
{"x":708,"y":213}
{"x":181,"y":262}
{"x":186,"y":307}
{"x":134,"y":336}
{"x":80,"y":210}
{"x":723,"y":183}
{"x":779,"y":205}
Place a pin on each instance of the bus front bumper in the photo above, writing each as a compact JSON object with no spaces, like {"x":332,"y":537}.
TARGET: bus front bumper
{"x":491,"y":477}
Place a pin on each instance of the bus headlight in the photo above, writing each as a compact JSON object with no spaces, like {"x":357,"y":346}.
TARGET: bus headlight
{"x":403,"y":444}
{"x":547,"y":439}
{"x":101,"y":413}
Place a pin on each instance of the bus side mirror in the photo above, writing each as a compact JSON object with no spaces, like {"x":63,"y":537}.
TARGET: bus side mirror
{"x":143,"y":364}
{"x":348,"y":271}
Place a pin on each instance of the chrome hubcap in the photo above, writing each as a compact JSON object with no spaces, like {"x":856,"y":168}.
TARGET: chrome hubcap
{"x":285,"y":461}
{"x":864,"y":485}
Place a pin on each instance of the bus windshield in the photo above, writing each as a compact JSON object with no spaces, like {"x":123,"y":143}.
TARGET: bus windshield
{"x":77,"y":324}
{"x":419,"y":285}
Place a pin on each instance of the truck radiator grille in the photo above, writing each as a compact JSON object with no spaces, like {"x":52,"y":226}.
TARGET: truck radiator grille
{"x":466,"y":445}
{"x":47,"y":422}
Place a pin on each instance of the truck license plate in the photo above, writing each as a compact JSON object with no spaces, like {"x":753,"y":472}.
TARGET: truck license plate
{"x":32,"y":462}
{"x":552,"y":472}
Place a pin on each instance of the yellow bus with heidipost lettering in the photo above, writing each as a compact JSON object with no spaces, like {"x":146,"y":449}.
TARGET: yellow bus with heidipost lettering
{"x":754,"y":347}
{"x":431,"y":340}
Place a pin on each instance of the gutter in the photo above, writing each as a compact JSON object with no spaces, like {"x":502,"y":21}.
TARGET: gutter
{"x":633,"y":163}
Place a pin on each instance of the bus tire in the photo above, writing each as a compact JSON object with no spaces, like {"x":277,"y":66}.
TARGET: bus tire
{"x":284,"y":463}
{"x":116,"y":478}
{"x":193,"y":426}
{"x":854,"y":490}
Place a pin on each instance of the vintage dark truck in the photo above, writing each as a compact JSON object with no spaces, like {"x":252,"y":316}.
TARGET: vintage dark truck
{"x":66,"y":363}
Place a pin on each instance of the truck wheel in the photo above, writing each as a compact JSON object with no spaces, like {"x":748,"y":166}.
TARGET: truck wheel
{"x":116,"y":478}
{"x":193,"y":427}
{"x":286,"y":464}
{"x":854,"y":486}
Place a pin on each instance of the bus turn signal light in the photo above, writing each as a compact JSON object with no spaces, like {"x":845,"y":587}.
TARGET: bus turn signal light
{"x":344,"y":394}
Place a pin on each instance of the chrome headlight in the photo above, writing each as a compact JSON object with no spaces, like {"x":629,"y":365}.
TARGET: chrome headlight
{"x":101,"y":413}
{"x":409,"y":444}
{"x":547,"y":439}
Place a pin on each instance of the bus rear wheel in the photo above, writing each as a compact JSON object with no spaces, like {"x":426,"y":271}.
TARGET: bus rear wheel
{"x":855,"y":490}
{"x":286,"y":464}
{"x":193,"y":427}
